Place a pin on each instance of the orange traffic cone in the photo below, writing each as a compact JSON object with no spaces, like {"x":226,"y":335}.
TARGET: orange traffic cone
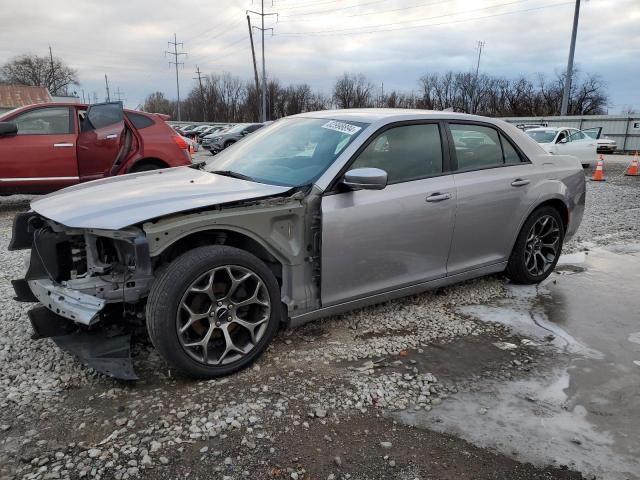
{"x":632,"y":170}
{"x":598,"y":175}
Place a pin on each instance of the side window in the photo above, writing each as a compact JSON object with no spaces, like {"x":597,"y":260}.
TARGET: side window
{"x":45,"y":121}
{"x":102,"y":115}
{"x":577,"y":135}
{"x":476,"y":146}
{"x":406,"y":153}
{"x":511,"y":155}
{"x":139,"y":121}
{"x":562,"y":136}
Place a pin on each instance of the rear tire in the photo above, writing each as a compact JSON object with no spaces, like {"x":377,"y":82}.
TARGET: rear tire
{"x":213,"y":311}
{"x":537,"y":248}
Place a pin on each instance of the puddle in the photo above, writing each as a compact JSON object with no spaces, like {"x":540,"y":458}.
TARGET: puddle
{"x":584,"y":410}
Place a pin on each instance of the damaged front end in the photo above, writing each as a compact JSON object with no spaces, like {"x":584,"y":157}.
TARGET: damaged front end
{"x":81,"y":277}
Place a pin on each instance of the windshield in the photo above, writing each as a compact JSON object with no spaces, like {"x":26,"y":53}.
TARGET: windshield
{"x":290,"y":152}
{"x":542,"y":136}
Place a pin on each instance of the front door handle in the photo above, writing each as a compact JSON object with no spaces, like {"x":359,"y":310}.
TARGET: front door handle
{"x":112,"y":135}
{"x":60,"y":145}
{"x":438,"y":197}
{"x":520,"y":182}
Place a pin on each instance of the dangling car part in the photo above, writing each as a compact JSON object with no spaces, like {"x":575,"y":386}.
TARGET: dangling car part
{"x":313,"y":215}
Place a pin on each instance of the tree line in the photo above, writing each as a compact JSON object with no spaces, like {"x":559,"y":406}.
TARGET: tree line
{"x":228,"y":98}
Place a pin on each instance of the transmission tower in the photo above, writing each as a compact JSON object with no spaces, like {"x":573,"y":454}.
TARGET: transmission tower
{"x":176,"y":57}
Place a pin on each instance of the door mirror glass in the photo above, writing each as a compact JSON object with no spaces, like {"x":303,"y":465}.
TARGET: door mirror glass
{"x":562,"y":140}
{"x":8,"y":128}
{"x":365,"y":179}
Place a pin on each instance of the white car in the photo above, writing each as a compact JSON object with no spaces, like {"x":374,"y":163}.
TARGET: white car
{"x":581,"y":144}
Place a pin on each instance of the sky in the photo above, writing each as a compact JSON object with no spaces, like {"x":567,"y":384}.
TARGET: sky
{"x":392,"y":42}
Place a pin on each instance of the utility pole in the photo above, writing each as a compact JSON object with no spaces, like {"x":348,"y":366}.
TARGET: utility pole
{"x":176,"y":56}
{"x":569,"y":74}
{"x":253,"y":55}
{"x":83,"y":96}
{"x":481,"y":44}
{"x":382,"y":94}
{"x":204,"y":106}
{"x":53,"y":75}
{"x":264,"y":69}
{"x":106,"y":82}
{"x":119,"y":95}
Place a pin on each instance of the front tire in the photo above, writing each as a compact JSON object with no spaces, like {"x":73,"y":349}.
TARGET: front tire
{"x":213,"y":311}
{"x":537,"y":247}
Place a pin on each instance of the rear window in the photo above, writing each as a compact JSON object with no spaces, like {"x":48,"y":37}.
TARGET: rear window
{"x":139,"y":121}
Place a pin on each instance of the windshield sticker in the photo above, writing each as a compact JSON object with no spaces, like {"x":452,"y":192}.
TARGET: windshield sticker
{"x":342,"y":127}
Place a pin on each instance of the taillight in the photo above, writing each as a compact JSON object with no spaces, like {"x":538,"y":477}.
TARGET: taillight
{"x":180,"y":142}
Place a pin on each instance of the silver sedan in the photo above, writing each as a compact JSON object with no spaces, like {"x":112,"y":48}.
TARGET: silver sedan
{"x":313,"y":215}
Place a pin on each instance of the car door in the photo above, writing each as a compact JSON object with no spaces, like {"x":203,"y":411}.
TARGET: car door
{"x":579,"y":145}
{"x":378,"y":240}
{"x":42,"y":156}
{"x":493,"y":182}
{"x":100,"y":141}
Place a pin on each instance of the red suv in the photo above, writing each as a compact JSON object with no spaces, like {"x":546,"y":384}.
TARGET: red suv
{"x":46,"y":147}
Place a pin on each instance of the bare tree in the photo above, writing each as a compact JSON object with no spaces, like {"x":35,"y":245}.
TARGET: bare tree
{"x":157,"y":103}
{"x":37,"y":71}
{"x":353,"y":91}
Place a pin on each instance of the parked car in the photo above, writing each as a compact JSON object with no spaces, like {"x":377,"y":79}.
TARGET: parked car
{"x":604,"y":145}
{"x":192,"y":144}
{"x":231,"y":136}
{"x":46,"y":147}
{"x":568,"y":141}
{"x":207,"y":140}
{"x":314,"y":215}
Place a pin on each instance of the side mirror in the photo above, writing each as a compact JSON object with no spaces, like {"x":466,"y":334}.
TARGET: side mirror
{"x":8,"y":128}
{"x":365,"y":179}
{"x":564,"y":140}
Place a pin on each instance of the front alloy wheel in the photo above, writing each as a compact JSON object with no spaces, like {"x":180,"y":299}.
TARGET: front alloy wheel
{"x":213,"y":311}
{"x":223,"y":315}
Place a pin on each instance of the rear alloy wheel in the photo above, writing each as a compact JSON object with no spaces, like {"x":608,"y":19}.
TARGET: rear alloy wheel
{"x":213,"y":311}
{"x":537,"y":248}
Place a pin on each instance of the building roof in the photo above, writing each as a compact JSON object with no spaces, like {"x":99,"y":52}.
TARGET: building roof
{"x":13,"y":96}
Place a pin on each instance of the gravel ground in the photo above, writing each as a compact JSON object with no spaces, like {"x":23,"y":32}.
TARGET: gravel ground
{"x":315,"y":405}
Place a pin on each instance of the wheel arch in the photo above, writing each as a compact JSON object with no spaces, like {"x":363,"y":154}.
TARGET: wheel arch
{"x":147,"y":161}
{"x":554,"y":200}
{"x":228,"y":236}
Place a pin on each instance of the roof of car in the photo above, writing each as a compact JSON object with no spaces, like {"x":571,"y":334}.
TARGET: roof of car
{"x":371,"y":115}
{"x":550,"y":129}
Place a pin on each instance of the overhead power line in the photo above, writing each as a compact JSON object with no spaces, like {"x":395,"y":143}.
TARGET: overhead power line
{"x":331,"y":10}
{"x":376,"y":29}
{"x":364,"y":14}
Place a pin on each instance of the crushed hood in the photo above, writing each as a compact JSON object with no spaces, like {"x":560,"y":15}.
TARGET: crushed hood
{"x":118,"y":202}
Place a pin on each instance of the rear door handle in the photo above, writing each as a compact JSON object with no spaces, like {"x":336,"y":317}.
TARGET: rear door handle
{"x":112,"y":135}
{"x":59,"y":145}
{"x":438,"y":197}
{"x":520,"y":182}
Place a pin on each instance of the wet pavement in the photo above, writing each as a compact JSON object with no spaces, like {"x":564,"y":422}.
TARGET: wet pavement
{"x":583,"y":409}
